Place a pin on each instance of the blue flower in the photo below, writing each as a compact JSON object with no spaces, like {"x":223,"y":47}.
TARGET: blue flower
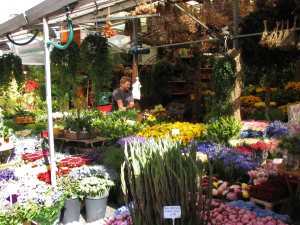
{"x":124,"y":140}
{"x":276,"y":129}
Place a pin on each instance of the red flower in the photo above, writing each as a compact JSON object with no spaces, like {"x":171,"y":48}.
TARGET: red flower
{"x":45,"y":134}
{"x":31,"y":85}
{"x":243,"y":149}
{"x":260,"y":145}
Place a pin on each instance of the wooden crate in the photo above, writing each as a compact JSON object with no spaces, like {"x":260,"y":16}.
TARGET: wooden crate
{"x":78,"y":136}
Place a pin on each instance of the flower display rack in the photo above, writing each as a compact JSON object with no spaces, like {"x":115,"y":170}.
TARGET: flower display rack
{"x":269,"y":205}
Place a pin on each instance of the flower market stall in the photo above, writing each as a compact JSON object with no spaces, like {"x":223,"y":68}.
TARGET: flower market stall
{"x":212,"y":140}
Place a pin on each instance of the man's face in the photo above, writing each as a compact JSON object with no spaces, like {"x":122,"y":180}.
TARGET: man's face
{"x":126,"y":85}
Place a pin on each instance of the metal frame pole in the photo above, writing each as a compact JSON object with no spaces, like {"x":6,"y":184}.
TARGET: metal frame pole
{"x":49,"y":102}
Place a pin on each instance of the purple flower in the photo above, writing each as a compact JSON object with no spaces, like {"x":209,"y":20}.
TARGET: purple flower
{"x":276,"y":129}
{"x":7,"y":174}
{"x":124,"y":140}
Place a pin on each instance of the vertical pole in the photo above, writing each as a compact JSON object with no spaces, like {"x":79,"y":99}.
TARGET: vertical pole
{"x":135,"y":56}
{"x":236,"y":15}
{"x":49,"y":102}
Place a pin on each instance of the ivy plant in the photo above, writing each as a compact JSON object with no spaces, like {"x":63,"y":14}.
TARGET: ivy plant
{"x":224,"y":76}
{"x":95,"y":62}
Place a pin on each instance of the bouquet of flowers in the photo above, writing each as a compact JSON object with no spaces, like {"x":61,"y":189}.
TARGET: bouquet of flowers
{"x":94,"y":186}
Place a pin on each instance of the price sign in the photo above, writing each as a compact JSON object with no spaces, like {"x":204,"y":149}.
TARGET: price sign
{"x":277,"y":160}
{"x":175,"y":131}
{"x":172,"y":212}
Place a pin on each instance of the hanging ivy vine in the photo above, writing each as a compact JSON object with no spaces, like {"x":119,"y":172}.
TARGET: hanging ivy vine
{"x":224,"y":77}
{"x":95,"y":62}
{"x":65,"y":64}
{"x":11,"y":66}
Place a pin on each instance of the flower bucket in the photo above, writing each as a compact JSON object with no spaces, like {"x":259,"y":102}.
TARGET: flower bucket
{"x":95,"y":208}
{"x":105,"y":108}
{"x":71,"y":211}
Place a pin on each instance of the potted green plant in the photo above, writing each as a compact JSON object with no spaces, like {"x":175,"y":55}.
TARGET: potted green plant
{"x":78,"y":125}
{"x":95,"y":190}
{"x":290,"y":146}
{"x":71,"y":209}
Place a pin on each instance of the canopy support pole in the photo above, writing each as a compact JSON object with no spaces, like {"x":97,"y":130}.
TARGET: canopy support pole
{"x":49,"y":102}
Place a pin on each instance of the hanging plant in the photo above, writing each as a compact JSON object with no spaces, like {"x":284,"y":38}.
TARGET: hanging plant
{"x":224,"y":77}
{"x":11,"y":66}
{"x":95,"y":62}
{"x":64,"y":64}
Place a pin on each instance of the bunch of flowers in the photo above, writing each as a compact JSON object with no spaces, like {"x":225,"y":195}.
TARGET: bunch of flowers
{"x":94,"y":186}
{"x":262,"y":89}
{"x":264,"y":145}
{"x":121,"y":219}
{"x":243,"y":149}
{"x":187,"y":131}
{"x":254,"y":125}
{"x":251,"y":207}
{"x":262,"y":104}
{"x":233,"y":214}
{"x":284,"y":108}
{"x":294,"y":86}
{"x":262,"y":173}
{"x":226,"y":190}
{"x":46,"y":176}
{"x":249,"y":100}
{"x":78,"y":173}
{"x":208,"y":93}
{"x":31,"y":157}
{"x":73,"y":161}
{"x":124,"y":140}
{"x":229,"y":164}
{"x":276,"y":129}
{"x":7,"y":174}
{"x":251,"y":134}
{"x":272,"y":190}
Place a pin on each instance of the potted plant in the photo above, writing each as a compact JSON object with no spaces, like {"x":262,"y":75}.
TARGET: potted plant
{"x":71,"y":209}
{"x":95,"y":190}
{"x":290,"y":145}
{"x":78,"y":126}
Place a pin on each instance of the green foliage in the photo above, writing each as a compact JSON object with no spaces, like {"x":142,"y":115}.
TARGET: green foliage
{"x":95,"y":62}
{"x":45,"y":215}
{"x":224,"y":76}
{"x":126,"y":114}
{"x":11,"y":64}
{"x":114,"y":158}
{"x":156,"y":174}
{"x":69,"y":186}
{"x":276,"y":114}
{"x":65,"y":79}
{"x":77,"y":120}
{"x":222,"y":130}
{"x":14,"y":215}
{"x":290,"y":143}
{"x":36,"y":128}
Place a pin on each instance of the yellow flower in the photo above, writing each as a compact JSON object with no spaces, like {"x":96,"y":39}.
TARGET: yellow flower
{"x":215,"y":184}
{"x":245,"y":194}
{"x":292,"y":86}
{"x":249,"y":100}
{"x":244,"y":185}
{"x":260,"y":89}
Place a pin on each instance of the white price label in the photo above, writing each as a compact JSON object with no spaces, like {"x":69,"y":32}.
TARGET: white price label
{"x":172,"y":212}
{"x":175,"y":131}
{"x":277,"y":160}
{"x":130,"y":122}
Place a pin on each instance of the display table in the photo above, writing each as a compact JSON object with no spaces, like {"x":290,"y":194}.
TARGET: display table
{"x":291,"y":177}
{"x":6,"y":149}
{"x":89,"y":142}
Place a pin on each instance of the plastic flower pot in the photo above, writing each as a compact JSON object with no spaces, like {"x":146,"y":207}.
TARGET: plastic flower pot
{"x":95,"y":208}
{"x":105,"y":108}
{"x":71,"y":210}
